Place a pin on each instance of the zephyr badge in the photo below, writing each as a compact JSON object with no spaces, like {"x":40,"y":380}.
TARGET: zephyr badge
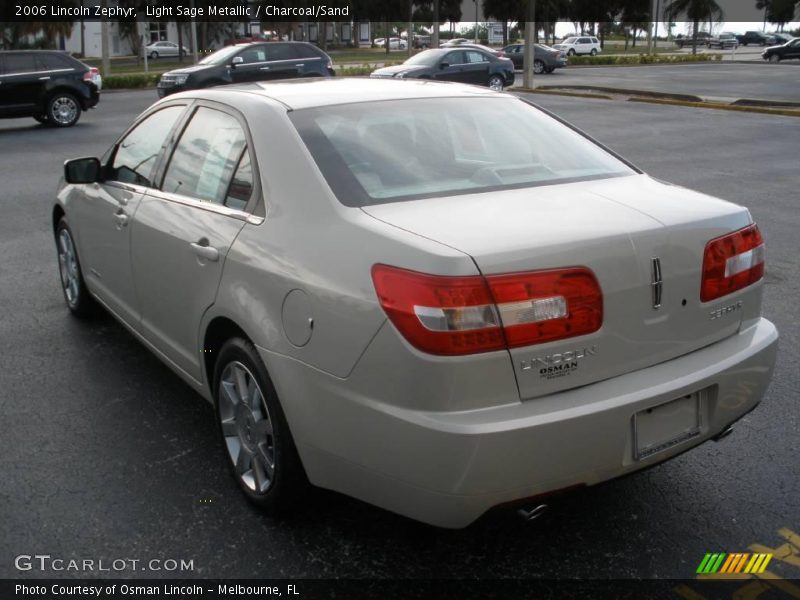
{"x":657,"y":283}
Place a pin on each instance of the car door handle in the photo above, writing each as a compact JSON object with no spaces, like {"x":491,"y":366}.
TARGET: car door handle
{"x":45,"y":78}
{"x":300,"y":65}
{"x":264,"y":69}
{"x":120,"y":220}
{"x":207,"y":252}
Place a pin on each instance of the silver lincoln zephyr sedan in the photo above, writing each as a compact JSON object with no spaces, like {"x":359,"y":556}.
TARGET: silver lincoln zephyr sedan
{"x":432,"y":297}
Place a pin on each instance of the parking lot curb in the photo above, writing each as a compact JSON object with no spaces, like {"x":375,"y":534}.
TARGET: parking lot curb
{"x":768,"y":107}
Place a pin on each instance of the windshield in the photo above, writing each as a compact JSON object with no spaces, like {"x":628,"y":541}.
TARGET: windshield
{"x":220,"y":56}
{"x":376,"y":152}
{"x":426,"y":57}
{"x":571,"y":40}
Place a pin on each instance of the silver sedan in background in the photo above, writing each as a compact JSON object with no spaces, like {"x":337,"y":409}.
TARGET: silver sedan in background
{"x":429,"y":296}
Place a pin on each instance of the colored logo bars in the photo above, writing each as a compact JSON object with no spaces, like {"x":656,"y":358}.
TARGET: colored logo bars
{"x":742,"y":562}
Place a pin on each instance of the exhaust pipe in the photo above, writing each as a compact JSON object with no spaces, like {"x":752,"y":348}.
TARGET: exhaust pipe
{"x":723,"y":434}
{"x":533,"y":513}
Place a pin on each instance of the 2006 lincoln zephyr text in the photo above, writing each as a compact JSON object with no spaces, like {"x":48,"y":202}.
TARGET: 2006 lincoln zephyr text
{"x":433,"y":297}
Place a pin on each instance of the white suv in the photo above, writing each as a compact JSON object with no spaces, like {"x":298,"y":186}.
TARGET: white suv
{"x":579,"y":45}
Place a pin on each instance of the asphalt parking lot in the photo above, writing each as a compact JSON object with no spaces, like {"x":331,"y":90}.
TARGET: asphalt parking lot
{"x":722,"y":81}
{"x":105,"y":453}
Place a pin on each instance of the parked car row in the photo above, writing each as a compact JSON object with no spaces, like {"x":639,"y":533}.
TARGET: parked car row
{"x":50,"y":86}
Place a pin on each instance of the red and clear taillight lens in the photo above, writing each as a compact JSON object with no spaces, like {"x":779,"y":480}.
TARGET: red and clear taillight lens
{"x":732,"y":262}
{"x":466,"y":315}
{"x":90,"y":74}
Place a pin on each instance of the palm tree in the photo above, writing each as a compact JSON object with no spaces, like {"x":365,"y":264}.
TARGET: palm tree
{"x":696,"y":11}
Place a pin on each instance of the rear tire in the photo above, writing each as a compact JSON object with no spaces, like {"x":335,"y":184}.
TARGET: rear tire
{"x":495,"y":83}
{"x":63,"y":109}
{"x":76,"y":294}
{"x":538,"y":67}
{"x":593,"y":52}
{"x":257,"y":443}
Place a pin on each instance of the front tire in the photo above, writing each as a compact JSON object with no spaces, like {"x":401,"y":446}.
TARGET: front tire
{"x":63,"y":110}
{"x":774,"y":58}
{"x":571,"y":52}
{"x":256,"y":437}
{"x":76,"y":294}
{"x":154,"y":55}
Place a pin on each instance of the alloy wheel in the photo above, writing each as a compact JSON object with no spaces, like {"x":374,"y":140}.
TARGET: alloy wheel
{"x":247,"y":427}
{"x":68,"y":267}
{"x":496,"y":83}
{"x":64,"y":110}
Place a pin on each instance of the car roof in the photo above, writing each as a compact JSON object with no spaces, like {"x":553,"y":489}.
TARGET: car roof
{"x":298,"y":94}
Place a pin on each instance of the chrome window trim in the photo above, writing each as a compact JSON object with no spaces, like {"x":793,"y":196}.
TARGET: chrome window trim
{"x":206,"y":205}
{"x":37,"y":72}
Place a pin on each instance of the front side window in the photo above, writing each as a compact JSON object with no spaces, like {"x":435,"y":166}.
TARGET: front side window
{"x":454,"y":58}
{"x":389,"y":151}
{"x":255,"y":54}
{"x":137,"y":154}
{"x":205,"y":158}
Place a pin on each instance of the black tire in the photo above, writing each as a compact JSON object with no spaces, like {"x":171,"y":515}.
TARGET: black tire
{"x":538,"y":67}
{"x":571,"y":52}
{"x":593,"y":52}
{"x":154,"y":55}
{"x":287,"y":484}
{"x":550,"y":70}
{"x":63,"y":109}
{"x":496,"y":82}
{"x":42,"y":119}
{"x":79,"y":301}
{"x":774,"y":58}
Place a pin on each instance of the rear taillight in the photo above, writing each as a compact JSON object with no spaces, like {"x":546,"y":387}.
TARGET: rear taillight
{"x":465,"y":315}
{"x":90,"y":74}
{"x":732,"y":262}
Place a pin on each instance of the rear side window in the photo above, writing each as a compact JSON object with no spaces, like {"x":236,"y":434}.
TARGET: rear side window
{"x":137,"y":154}
{"x":19,"y":63}
{"x":304,"y":51}
{"x":476,"y":57}
{"x":280,"y":52}
{"x":202,"y":166}
{"x":53,"y":62}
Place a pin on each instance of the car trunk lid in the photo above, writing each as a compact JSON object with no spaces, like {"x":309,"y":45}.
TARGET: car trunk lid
{"x":616,"y":227}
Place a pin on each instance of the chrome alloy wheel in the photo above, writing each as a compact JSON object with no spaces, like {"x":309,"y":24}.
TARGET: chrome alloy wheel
{"x":64,"y":110}
{"x":247,"y":427}
{"x":496,"y":83}
{"x":68,"y":267}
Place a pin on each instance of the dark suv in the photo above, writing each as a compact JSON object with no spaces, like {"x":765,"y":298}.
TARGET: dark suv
{"x":50,"y":86}
{"x":752,"y":37}
{"x":249,"y":62}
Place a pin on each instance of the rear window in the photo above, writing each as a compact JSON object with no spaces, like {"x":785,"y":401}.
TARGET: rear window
{"x":304,"y":51}
{"x":390,"y":151}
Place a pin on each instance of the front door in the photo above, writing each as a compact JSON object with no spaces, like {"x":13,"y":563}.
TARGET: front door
{"x":476,"y":69}
{"x":182,"y":232}
{"x":451,"y":67}
{"x":253,"y":66}
{"x":19,"y":81}
{"x":105,"y":211}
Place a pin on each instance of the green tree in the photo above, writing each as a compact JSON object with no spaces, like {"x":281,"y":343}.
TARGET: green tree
{"x":696,"y":11}
{"x":778,"y":12}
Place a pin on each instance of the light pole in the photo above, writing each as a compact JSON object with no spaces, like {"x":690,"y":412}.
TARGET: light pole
{"x":476,"y":20}
{"x":528,"y":57}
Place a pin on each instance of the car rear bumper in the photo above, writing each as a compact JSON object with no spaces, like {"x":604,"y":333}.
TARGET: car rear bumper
{"x":448,"y":467}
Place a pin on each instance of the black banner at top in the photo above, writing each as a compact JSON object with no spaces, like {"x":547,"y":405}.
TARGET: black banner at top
{"x":266,"y":11}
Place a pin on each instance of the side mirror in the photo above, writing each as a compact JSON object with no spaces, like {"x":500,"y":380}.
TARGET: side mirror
{"x":237,"y":60}
{"x":82,"y":170}
{"x":444,"y":65}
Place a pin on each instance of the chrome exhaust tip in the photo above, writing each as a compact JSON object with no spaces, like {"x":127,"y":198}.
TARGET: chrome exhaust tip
{"x":533,"y":513}
{"x":723,"y":434}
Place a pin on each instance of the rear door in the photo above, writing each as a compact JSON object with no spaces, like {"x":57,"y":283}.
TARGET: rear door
{"x":283,"y":62}
{"x":793,"y":49}
{"x":476,"y":69}
{"x":182,"y":232}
